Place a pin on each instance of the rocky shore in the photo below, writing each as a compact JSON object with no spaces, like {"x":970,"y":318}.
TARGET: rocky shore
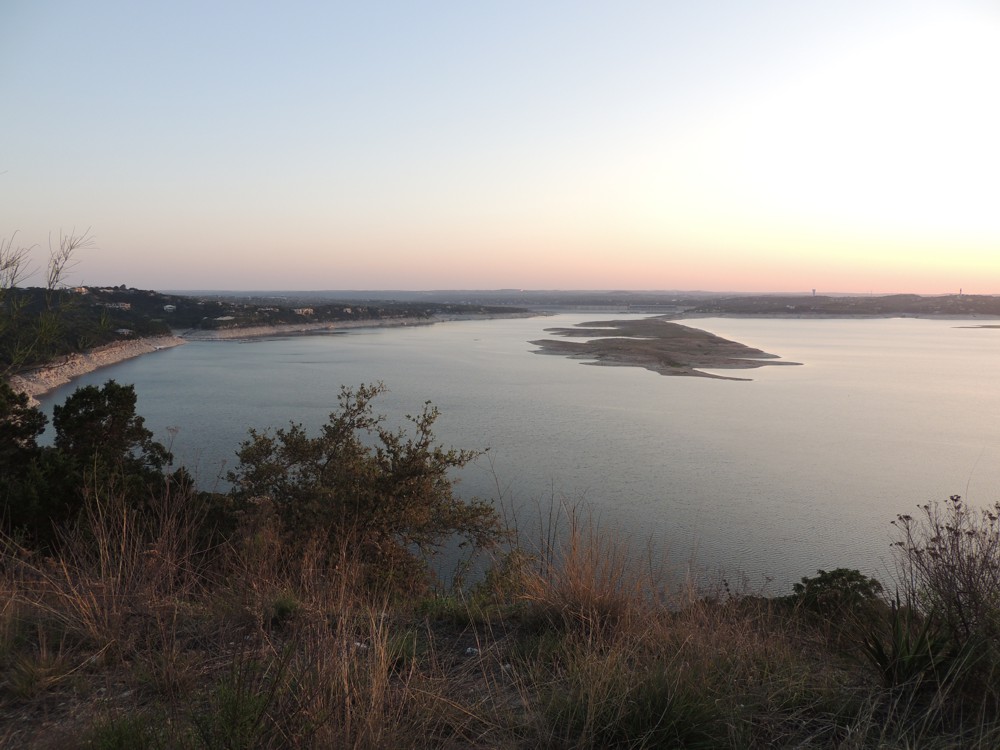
{"x":44,"y":379}
{"x":61,"y":371}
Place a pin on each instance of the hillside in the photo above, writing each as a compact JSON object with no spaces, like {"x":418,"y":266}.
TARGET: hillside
{"x":37,"y":325}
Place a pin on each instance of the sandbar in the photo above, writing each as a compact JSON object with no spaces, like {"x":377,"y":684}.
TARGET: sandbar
{"x":656,"y":344}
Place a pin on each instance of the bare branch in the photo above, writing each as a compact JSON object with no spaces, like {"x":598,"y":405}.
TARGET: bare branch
{"x":14,"y":263}
{"x":61,"y":259}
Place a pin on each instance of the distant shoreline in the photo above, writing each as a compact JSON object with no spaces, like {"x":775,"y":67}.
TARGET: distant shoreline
{"x":40,"y":380}
{"x":827,"y":316}
{"x":290,"y":329}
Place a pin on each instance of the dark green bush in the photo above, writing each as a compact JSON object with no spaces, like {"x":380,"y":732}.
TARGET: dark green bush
{"x":100,"y":444}
{"x":839,"y":590}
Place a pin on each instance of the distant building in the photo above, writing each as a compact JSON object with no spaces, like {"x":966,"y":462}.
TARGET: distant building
{"x":118,"y":305}
{"x":170,"y":308}
{"x":303,"y":311}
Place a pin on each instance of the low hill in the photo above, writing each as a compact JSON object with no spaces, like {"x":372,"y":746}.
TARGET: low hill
{"x":37,"y":325}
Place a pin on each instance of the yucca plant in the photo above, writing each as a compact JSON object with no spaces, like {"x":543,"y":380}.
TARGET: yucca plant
{"x":916,"y":652}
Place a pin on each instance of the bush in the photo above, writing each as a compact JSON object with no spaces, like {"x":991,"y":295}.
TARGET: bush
{"x":948,"y":559}
{"x":948,"y":562}
{"x":843,"y":602}
{"x":913,"y":654}
{"x":840,"y":589}
{"x":383,"y":493}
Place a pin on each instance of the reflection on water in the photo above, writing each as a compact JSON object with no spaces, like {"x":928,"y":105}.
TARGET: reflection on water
{"x":799,"y":469}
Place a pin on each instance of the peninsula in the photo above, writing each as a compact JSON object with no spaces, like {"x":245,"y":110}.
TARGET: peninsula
{"x":656,"y":344}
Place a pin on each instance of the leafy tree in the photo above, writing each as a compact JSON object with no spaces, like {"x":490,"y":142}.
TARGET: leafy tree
{"x":99,"y":429}
{"x":384,"y":493}
{"x":100,"y":442}
{"x":36,"y":484}
{"x":843,"y":599}
{"x":20,"y":425}
{"x":839,"y":589}
{"x":43,"y":494}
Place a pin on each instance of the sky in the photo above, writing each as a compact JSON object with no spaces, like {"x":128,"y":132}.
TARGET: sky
{"x":720,"y":145}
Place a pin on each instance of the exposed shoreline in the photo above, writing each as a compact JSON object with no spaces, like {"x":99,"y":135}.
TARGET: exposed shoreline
{"x":43,"y":379}
{"x":40,"y":380}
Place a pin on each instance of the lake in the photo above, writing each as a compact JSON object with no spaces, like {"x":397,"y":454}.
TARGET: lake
{"x":801,"y":468}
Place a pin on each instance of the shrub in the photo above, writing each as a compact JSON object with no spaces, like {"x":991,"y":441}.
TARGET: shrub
{"x":843,"y":602}
{"x":914,"y":654}
{"x":948,"y":562}
{"x":948,"y":559}
{"x":384,"y":492}
{"x":843,"y":588}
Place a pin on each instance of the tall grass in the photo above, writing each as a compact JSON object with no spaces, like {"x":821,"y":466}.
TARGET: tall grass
{"x":138,"y":632}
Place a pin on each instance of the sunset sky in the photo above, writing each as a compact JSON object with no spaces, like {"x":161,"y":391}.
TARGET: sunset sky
{"x":770,"y":145}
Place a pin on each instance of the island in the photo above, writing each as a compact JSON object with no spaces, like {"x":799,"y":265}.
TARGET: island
{"x":656,"y":344}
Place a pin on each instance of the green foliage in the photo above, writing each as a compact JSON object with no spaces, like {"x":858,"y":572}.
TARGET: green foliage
{"x":99,"y":428}
{"x":100,"y":442}
{"x":384,"y":493}
{"x":837,"y":590}
{"x":403,"y":648}
{"x":126,"y":732}
{"x":40,"y":496}
{"x":659,"y":714}
{"x":622,"y":708}
{"x":916,"y":653}
{"x":282,"y":609}
{"x":252,"y":706}
{"x":24,"y":474}
{"x":20,"y":426}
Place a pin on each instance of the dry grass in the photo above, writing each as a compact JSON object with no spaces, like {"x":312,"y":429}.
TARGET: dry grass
{"x":133,"y":636}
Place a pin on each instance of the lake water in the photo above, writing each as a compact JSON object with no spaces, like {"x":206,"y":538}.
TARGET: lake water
{"x":801,"y":468}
